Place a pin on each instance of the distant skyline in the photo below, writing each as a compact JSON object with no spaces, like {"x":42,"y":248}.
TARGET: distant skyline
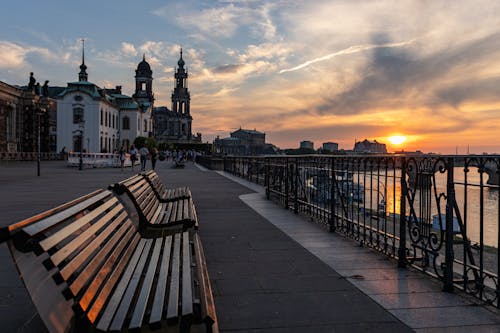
{"x":296,"y":70}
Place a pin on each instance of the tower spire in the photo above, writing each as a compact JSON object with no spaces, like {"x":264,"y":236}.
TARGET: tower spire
{"x":83,"y":76}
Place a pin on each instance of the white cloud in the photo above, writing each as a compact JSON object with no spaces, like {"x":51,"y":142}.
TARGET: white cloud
{"x":14,"y":55}
{"x":129,"y":49}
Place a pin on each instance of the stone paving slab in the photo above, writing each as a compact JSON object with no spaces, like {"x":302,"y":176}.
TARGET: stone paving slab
{"x":414,"y":298}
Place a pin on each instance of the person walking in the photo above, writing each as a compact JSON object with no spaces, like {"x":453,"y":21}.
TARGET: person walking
{"x":154,"y":156}
{"x":144,"y":152}
{"x":122,"y":157}
{"x":133,"y":156}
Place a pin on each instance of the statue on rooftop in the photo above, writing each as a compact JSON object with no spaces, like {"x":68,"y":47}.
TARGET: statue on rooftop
{"x":31,"y":84}
{"x":45,"y":89}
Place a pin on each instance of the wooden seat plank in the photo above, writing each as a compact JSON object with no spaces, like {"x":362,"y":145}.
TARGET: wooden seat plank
{"x":35,"y":219}
{"x":121,"y":313}
{"x":173,"y":295}
{"x":50,"y":221}
{"x":63,"y":253}
{"x":96,"y":243}
{"x":103,"y":295}
{"x":159,"y":299}
{"x":89,"y":270}
{"x":99,"y":279}
{"x":147,"y":284}
{"x":114,"y":302}
{"x":187,"y":288}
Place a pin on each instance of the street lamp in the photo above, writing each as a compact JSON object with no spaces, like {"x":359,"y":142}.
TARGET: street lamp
{"x":81,"y":126}
{"x":39,"y":112}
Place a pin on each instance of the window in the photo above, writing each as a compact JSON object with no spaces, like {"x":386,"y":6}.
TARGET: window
{"x":126,"y":123}
{"x":102,"y":117}
{"x":77,"y":115}
{"x":143,"y":86}
{"x":138,"y":124}
{"x":113,"y":121}
{"x":78,"y":98}
{"x":145,"y":125}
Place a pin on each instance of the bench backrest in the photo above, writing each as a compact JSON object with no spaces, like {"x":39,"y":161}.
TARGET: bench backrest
{"x":164,"y":194}
{"x":66,"y":256}
{"x":142,"y":195}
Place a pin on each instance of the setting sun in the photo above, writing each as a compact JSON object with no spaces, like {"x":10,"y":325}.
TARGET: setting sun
{"x":397,"y":139}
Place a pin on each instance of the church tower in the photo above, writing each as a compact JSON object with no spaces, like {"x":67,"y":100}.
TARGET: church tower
{"x":144,"y":82}
{"x":180,"y":95}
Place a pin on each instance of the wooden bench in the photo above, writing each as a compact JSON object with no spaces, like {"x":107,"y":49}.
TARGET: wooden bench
{"x":166,"y":194}
{"x":87,"y":267}
{"x":165,"y":217}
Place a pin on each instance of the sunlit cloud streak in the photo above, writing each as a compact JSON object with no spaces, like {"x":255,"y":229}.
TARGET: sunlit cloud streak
{"x":349,"y":50}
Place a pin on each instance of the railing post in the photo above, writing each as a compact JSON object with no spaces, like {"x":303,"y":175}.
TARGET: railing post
{"x":333,"y":201}
{"x":296,"y":187}
{"x":267,"y":177}
{"x":450,"y":202}
{"x":402,"y":217}
{"x":287,"y":187}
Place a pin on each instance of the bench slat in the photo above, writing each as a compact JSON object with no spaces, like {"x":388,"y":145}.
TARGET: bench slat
{"x":87,"y":273}
{"x":187,"y":288}
{"x":63,"y":253}
{"x":142,"y":301}
{"x":49,"y":222}
{"x":113,"y":279}
{"x":207,"y":301}
{"x":173,"y":298}
{"x":105,"y":270}
{"x":96,"y":243}
{"x":159,"y":299}
{"x":24,"y":223}
{"x":121,"y":313}
{"x":120,"y":290}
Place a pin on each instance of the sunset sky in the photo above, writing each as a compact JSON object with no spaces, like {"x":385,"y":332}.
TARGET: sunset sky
{"x":296,"y":70}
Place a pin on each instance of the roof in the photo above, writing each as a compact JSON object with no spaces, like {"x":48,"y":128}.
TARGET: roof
{"x":83,"y":86}
{"x":248,"y":131}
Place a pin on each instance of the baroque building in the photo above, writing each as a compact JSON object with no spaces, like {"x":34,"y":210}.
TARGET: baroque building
{"x":367,"y":146}
{"x":26,"y":112}
{"x":174,"y":126}
{"x":244,"y":142}
{"x":101,"y":120}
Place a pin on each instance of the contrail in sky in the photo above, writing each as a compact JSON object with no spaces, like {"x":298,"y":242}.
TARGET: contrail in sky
{"x":349,"y":50}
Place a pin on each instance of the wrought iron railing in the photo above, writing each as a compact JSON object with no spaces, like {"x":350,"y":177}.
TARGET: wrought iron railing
{"x":437,"y":213}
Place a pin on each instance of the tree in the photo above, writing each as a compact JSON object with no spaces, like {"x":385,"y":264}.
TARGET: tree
{"x":140,"y":142}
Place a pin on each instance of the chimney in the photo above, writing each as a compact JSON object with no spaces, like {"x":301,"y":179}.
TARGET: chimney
{"x":118,"y":89}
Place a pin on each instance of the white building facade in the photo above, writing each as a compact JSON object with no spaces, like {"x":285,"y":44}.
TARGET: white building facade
{"x":98,"y":120}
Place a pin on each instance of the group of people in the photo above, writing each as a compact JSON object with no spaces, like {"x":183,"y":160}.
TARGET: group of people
{"x":144,"y":156}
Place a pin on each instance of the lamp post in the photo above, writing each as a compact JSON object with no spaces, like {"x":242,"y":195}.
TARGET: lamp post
{"x":81,"y":126}
{"x":39,"y":112}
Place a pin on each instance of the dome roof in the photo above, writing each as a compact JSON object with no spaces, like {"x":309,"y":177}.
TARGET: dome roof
{"x":143,"y":65}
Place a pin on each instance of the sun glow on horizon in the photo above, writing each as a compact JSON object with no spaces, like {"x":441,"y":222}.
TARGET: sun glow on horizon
{"x":397,"y":139}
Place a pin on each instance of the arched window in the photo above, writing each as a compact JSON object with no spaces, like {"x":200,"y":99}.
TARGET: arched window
{"x":145,"y":125}
{"x":78,"y":115}
{"x":126,"y":123}
{"x":102,"y":117}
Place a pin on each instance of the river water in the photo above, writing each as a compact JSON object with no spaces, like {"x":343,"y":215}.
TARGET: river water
{"x":380,"y":188}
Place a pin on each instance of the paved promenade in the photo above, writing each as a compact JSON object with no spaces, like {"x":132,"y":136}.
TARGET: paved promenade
{"x":271,"y":270}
